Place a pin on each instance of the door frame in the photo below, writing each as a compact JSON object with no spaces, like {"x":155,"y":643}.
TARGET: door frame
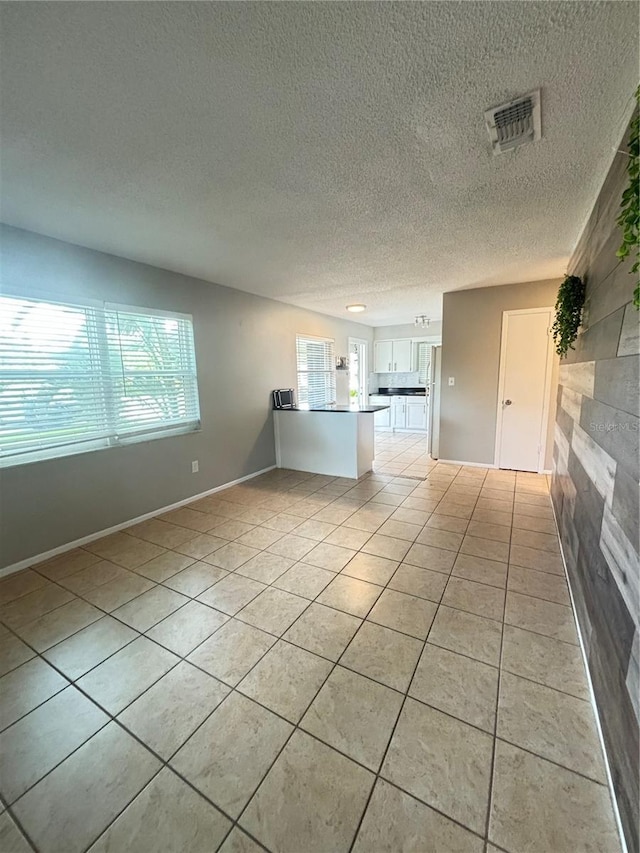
{"x":547,"y":385}
{"x":365,"y":378}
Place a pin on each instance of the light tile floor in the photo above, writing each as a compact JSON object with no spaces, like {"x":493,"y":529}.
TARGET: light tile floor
{"x":302,"y":663}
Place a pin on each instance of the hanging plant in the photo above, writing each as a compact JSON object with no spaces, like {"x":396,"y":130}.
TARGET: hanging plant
{"x":568,"y":313}
{"x":629,"y":218}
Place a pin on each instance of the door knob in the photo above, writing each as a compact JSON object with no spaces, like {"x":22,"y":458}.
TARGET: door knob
{"x":506,"y":402}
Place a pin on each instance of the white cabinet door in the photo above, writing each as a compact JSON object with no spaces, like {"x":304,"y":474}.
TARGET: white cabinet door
{"x":383,"y":357}
{"x":402,"y":356}
{"x":382,"y":418}
{"x":416,"y":415}
{"x":398,"y":416}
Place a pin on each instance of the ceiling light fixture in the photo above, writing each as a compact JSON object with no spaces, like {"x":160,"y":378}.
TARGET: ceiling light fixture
{"x":422,"y":320}
{"x":356,"y":308}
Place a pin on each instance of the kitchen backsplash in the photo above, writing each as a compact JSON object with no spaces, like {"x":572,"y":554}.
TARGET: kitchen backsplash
{"x":393,"y":380}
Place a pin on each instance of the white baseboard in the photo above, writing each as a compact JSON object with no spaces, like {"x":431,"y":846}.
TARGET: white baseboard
{"x":592,"y":695}
{"x":466,"y":464}
{"x":69,"y":546}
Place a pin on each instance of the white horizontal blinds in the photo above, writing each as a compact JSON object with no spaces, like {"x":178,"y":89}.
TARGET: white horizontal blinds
{"x":152,"y":371}
{"x":75,"y":377}
{"x":316,"y":371}
{"x":424,"y":359}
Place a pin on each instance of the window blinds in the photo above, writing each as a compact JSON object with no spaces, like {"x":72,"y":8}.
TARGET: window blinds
{"x":316,"y":371}
{"x":79,"y":377}
{"x":424,"y":358}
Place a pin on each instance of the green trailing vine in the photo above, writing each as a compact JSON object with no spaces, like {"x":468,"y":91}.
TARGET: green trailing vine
{"x":629,"y":218}
{"x":568,"y":313}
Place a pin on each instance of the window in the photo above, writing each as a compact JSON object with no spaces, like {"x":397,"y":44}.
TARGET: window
{"x":316,"y":371}
{"x":81,"y":377}
{"x":423,"y":362}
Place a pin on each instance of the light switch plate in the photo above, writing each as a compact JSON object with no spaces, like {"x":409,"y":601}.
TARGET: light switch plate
{"x":452,"y":380}
{"x":195,"y":467}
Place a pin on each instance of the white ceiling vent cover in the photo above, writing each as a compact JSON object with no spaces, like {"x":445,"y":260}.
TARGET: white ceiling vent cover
{"x":515,"y":123}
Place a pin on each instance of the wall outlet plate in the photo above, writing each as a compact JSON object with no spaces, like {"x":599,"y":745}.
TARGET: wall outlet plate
{"x":195,"y":467}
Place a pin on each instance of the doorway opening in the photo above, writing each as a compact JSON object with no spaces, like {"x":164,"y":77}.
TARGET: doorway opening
{"x":358,"y":372}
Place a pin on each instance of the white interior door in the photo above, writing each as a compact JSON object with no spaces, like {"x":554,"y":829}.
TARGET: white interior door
{"x":524,"y":388}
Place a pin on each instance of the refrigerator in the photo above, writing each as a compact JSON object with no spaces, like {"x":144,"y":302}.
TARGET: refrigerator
{"x":433,"y":436}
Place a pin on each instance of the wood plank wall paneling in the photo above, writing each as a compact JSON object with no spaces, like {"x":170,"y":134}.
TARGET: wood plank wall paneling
{"x":595,"y":486}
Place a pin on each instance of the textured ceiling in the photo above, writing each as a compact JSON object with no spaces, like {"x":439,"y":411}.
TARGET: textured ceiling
{"x":318,"y":153}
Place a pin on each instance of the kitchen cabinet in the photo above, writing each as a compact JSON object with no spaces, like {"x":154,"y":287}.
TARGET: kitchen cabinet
{"x":392,"y":356}
{"x":398,"y":414}
{"x":416,"y":414}
{"x":381,"y":420}
{"x":406,"y":413}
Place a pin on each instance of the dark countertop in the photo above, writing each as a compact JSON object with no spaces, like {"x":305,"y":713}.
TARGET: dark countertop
{"x":354,"y":409}
{"x":399,"y":392}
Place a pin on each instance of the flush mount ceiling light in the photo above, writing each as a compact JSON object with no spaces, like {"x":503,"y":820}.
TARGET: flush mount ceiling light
{"x":422,"y":320}
{"x":356,"y":307}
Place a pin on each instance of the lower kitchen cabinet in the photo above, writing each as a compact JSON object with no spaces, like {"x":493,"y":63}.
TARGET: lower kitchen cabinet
{"x":406,"y":413}
{"x":416,"y":415}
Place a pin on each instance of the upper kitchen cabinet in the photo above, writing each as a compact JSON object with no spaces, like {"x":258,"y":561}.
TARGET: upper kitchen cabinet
{"x":392,"y":356}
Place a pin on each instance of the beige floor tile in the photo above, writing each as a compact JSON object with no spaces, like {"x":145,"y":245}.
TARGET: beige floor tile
{"x":35,"y":744}
{"x":468,"y":634}
{"x":488,"y":549}
{"x":195,"y":579}
{"x":11,"y":839}
{"x":68,"y":809}
{"x":348,"y":537}
{"x":443,"y":761}
{"x":421,"y":582}
{"x":427,"y":557}
{"x":350,"y":595}
{"x":532,"y":558}
{"x":302,"y":579}
{"x":400,"y":530}
{"x":286,"y":680}
{"x":312,"y":799}
{"x":448,"y":522}
{"x":386,"y":546}
{"x":104,"y":571}
{"x":274,"y":610}
{"x":554,"y":725}
{"x":186,"y":628}
{"x":231,"y":593}
{"x":442,"y":539}
{"x":266,"y":567}
{"x":544,"y":660}
{"x":532,"y":522}
{"x":167,"y":815}
{"x":542,"y":617}
{"x":395,"y":821}
{"x":478,"y":598}
{"x":239,"y":842}
{"x":447,"y":507}
{"x":410,"y":516}
{"x":538,"y":807}
{"x":465,"y":688}
{"x":331,"y":557}
{"x":402,"y":612}
{"x":66,"y":564}
{"x":162,"y":533}
{"x":231,"y":652}
{"x":230,"y":557}
{"x":13,"y":653}
{"x":89,"y":647}
{"x":34,"y":604}
{"x":534,"y":539}
{"x":490,"y":572}
{"x":151,"y":607}
{"x":201,"y":546}
{"x":164,"y":566}
{"x":492,"y":516}
{"x":485,"y":530}
{"x":291,"y":546}
{"x":283,"y":522}
{"x":26,"y":687}
{"x":114,"y":594}
{"x":59,"y":624}
{"x":20,"y":584}
{"x":315,"y":529}
{"x":192,"y":519}
{"x":124,"y":676}
{"x":171,"y":710}
{"x":367,"y":567}
{"x":230,"y":753}
{"x":136,"y":554}
{"x":323,"y":630}
{"x":383,"y":654}
{"x":539,"y":585}
{"x":232,"y":528}
{"x":355,"y":715}
{"x":260,"y":537}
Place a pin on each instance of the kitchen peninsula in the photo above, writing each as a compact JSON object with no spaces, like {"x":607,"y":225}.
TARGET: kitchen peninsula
{"x":333,"y":440}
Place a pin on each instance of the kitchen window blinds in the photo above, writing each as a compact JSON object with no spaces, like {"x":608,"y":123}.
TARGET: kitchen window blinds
{"x":76,"y":377}
{"x":424,"y":357}
{"x":316,"y":371}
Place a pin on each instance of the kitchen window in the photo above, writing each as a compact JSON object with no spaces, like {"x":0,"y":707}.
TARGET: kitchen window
{"x":316,"y":371}
{"x":77,"y":377}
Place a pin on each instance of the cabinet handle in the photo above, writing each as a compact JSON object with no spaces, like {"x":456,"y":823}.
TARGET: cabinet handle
{"x":395,"y":366}
{"x":389,"y":366}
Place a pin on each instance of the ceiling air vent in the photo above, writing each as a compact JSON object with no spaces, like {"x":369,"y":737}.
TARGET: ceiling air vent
{"x":515,"y":123}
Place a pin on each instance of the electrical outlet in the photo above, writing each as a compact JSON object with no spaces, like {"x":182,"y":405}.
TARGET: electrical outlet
{"x":195,"y":467}
{"x":452,"y":380}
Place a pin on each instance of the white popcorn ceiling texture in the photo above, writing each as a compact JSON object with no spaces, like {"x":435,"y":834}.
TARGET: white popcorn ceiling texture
{"x":317,"y":153}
